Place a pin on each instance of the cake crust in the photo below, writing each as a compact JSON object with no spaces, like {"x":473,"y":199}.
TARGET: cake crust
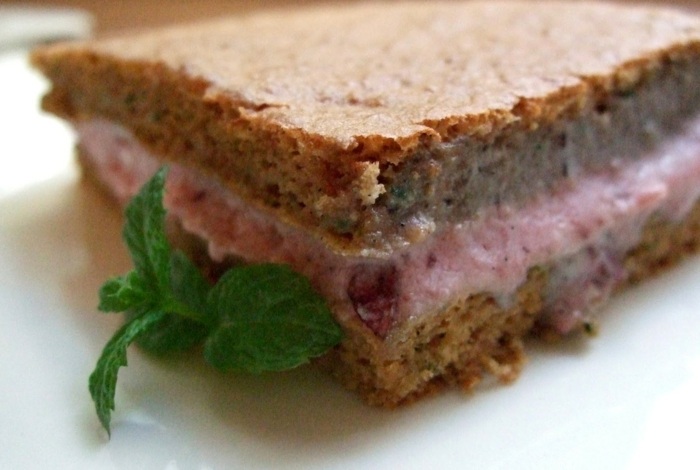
{"x":342,"y":77}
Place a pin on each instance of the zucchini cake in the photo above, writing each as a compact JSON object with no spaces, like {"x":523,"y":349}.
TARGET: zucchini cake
{"x":450,"y":176}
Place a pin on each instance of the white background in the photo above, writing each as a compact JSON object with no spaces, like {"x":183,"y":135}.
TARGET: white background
{"x":629,"y":398}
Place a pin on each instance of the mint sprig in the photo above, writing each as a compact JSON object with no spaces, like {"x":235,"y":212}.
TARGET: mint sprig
{"x":255,"y":318}
{"x":103,"y":380}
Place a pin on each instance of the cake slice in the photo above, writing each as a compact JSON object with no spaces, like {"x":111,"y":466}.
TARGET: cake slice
{"x":450,"y":176}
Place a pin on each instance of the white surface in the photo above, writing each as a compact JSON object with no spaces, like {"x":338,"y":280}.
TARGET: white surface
{"x":21,"y":26}
{"x":626,"y":399}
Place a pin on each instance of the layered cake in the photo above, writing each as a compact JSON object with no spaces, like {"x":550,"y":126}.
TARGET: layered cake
{"x":450,"y":176}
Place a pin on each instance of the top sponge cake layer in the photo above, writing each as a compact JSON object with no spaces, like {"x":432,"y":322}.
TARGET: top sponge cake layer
{"x":398,"y":71}
{"x":362,"y":123}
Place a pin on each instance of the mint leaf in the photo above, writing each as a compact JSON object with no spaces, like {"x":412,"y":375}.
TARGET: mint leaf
{"x":123,"y":293}
{"x":172,"y":334}
{"x":270,"y":318}
{"x":103,"y":380}
{"x":187,"y":284}
{"x":149,"y":284}
{"x":144,"y":234}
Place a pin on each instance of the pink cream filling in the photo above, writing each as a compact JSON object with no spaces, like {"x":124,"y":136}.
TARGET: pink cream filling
{"x":581,"y":231}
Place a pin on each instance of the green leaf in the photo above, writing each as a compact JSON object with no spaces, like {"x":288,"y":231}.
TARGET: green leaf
{"x":171,"y":335}
{"x":124,"y":293}
{"x":188,"y":286}
{"x":270,"y":318}
{"x":103,"y":380}
{"x":144,"y":234}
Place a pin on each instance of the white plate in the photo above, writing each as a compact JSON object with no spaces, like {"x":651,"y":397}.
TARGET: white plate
{"x":629,"y":398}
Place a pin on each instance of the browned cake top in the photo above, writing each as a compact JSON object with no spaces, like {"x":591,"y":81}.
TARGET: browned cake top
{"x":335,"y":118}
{"x":399,"y":71}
